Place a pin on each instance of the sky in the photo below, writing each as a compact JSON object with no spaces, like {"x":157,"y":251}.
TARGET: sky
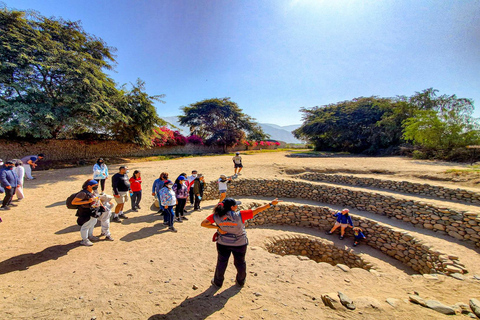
{"x":273,"y":57}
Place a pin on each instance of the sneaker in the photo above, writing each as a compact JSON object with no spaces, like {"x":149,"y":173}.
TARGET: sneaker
{"x":93,"y":238}
{"x":123,"y":216}
{"x":5,"y":208}
{"x":116,"y":219}
{"x":172,"y":229}
{"x":109,"y":238}
{"x":328,"y":233}
{"x":341,"y":238}
{"x":178,"y":220}
{"x":86,"y":242}
{"x":13,"y":205}
{"x":185,"y":218}
{"x":138,"y":207}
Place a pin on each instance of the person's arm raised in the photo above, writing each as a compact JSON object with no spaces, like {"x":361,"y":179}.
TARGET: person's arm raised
{"x":266,"y":206}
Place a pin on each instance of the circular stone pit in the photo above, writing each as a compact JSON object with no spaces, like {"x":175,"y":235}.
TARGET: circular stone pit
{"x":317,"y":250}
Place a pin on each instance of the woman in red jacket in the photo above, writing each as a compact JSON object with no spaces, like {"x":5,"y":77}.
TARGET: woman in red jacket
{"x":136,"y":187}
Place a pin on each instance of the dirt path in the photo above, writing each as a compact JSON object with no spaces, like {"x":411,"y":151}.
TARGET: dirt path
{"x":150,"y":273}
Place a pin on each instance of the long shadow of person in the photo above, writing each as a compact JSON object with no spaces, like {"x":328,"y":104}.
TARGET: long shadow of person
{"x":145,"y":232}
{"x":25,"y":261}
{"x":201,"y":306}
{"x":56,"y":204}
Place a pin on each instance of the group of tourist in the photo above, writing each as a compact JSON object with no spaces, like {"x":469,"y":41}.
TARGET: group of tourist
{"x":12,"y":178}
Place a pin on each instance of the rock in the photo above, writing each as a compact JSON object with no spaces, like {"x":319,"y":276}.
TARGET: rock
{"x":464,"y":308}
{"x":343,"y":267}
{"x":257,"y":294}
{"x":330,"y":301}
{"x":457,"y":276}
{"x":476,"y":277}
{"x":393,"y":302}
{"x":475,"y":306}
{"x":417,"y":299}
{"x":430,"y":276}
{"x":194,"y":287}
{"x":439,"y":307}
{"x":346,"y":301}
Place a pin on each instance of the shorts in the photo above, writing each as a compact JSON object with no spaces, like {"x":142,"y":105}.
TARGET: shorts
{"x":123,"y":197}
{"x":239,"y":165}
{"x":222,"y":191}
{"x":343,"y":225}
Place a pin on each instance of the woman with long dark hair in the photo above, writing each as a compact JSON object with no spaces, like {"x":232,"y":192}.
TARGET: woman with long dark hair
{"x":231,"y":237}
{"x":87,"y":201}
{"x":181,"y":194}
{"x":136,"y":186}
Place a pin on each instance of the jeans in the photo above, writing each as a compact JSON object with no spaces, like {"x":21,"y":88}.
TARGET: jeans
{"x":191,"y":195}
{"x":136,"y":197}
{"x":224,"y":252}
{"x":87,"y":228}
{"x":168,"y":215}
{"x":180,"y":206}
{"x":8,"y":196}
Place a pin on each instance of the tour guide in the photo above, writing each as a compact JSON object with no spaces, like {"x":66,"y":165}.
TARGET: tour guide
{"x":232,"y":238}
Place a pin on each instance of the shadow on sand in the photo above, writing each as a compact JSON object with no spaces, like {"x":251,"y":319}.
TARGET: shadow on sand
{"x":201,"y":306}
{"x":25,"y":261}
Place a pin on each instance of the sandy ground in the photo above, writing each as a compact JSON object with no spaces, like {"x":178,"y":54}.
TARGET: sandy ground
{"x":151,"y":273}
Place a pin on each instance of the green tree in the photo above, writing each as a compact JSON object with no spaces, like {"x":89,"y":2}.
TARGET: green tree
{"x":53,"y":84}
{"x":219,"y":122}
{"x":441,"y":123}
{"x":348,"y":126}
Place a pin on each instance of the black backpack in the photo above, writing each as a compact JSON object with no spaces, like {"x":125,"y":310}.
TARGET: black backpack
{"x":69,"y":200}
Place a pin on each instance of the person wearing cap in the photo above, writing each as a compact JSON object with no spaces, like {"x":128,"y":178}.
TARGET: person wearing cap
{"x":100,"y":173}
{"x":121,"y":190}
{"x":86,"y":213}
{"x":222,"y":186}
{"x":9,"y":182}
{"x":198,"y":187}
{"x":343,"y":221}
{"x":30,"y":162}
{"x":167,"y":201}
{"x":231,"y":237}
{"x":181,"y":194}
{"x":190,"y":179}
{"x":237,"y":163}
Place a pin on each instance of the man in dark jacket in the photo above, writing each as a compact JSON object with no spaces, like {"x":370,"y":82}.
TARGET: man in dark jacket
{"x":121,"y":189}
{"x":9,"y":181}
{"x":198,"y":186}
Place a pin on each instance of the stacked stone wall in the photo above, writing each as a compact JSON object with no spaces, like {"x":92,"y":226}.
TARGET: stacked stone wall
{"x":461,"y":225}
{"x":400,"y":186}
{"x":398,"y":244}
{"x":316,"y":249}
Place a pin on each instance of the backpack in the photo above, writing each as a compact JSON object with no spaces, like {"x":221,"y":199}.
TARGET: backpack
{"x":69,"y":200}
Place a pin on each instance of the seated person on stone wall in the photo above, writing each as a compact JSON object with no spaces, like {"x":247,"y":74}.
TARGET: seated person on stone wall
{"x":343,"y":221}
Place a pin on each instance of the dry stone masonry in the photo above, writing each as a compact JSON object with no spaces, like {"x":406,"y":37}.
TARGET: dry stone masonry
{"x":461,"y":225}
{"x":401,"y":186}
{"x":317,"y":250}
{"x":398,"y":244}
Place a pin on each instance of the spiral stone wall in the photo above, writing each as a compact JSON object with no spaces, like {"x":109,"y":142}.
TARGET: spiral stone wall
{"x":401,"y":186}
{"x":458,"y":224}
{"x":316,"y":249}
{"x":400,"y":245}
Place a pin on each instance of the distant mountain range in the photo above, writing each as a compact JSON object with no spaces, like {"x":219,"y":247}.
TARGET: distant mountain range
{"x":276,"y":132}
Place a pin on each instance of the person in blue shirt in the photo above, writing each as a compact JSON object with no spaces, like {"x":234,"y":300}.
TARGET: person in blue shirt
{"x":343,"y":221}
{"x":358,"y":234}
{"x":9,"y":182}
{"x":157,"y":186}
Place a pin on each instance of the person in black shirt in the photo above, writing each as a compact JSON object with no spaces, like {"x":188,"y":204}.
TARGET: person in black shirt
{"x":121,"y":190}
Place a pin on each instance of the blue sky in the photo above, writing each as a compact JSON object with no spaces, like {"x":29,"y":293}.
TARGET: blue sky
{"x":273,"y":57}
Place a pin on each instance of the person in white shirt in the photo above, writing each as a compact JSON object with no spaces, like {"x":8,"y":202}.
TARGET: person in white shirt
{"x":237,"y":163}
{"x":222,"y":186}
{"x":20,"y":170}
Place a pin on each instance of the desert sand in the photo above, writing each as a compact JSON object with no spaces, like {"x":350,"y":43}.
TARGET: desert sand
{"x":151,"y":273}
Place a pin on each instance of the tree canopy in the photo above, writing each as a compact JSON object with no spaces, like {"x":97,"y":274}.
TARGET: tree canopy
{"x":376,"y":125}
{"x":220,"y":122}
{"x":53,"y":84}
